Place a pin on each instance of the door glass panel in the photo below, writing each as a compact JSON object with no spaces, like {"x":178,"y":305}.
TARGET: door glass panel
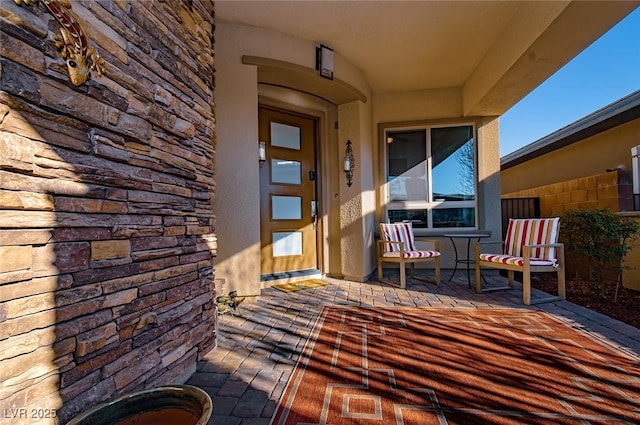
{"x":287,"y":243}
{"x":283,"y":171}
{"x":286,"y":207}
{"x":285,"y":136}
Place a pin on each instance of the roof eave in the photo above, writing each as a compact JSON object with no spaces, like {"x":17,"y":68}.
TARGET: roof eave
{"x":612,"y":115}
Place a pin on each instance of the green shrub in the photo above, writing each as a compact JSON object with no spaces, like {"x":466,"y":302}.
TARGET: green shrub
{"x":600,"y":236}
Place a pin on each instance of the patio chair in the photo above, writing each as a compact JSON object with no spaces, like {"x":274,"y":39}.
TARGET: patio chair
{"x":531,"y":245}
{"x":397,"y":244}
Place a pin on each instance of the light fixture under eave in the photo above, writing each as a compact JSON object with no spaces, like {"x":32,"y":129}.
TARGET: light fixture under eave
{"x":324,"y":61}
{"x":349,"y":163}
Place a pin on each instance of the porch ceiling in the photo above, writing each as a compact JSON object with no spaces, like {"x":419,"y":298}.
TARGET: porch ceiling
{"x":494,"y":51}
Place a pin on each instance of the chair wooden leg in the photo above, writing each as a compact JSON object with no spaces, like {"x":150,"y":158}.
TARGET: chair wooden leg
{"x":403,"y":276}
{"x":510,"y":278}
{"x":562,"y":293}
{"x":526,"y":286}
{"x":412,"y":273}
{"x":383,"y":280}
{"x":478,"y":279}
{"x":561,"y":271}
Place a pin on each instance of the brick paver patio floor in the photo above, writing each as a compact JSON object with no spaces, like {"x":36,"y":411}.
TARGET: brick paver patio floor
{"x":259,"y":344}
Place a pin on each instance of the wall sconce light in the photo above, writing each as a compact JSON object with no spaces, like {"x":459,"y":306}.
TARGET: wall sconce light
{"x":349,"y":163}
{"x":262,"y":152}
{"x":324,"y":61}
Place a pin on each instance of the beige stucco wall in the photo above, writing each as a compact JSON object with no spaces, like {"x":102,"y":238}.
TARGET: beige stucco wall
{"x":237,"y":224}
{"x":237,"y":201}
{"x":590,"y":156}
{"x":349,"y":214}
{"x":357,"y":210}
{"x":446,"y":105}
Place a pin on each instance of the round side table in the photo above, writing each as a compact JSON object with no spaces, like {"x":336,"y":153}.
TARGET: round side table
{"x":468,"y":261}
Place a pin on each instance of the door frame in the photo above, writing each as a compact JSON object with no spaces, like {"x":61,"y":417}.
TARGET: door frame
{"x":289,"y":276}
{"x":327,"y":154}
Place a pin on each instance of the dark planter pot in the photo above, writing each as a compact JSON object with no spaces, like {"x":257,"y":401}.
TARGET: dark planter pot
{"x":174,"y":405}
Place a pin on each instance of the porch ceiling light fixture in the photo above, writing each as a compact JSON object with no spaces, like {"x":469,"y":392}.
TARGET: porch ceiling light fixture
{"x":349,"y":163}
{"x":324,"y":61}
{"x":262,"y":152}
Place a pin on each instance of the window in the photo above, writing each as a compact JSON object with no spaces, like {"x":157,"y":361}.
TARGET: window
{"x":431,"y":176}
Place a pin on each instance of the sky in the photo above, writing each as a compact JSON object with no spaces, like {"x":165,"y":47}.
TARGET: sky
{"x":607,"y":70}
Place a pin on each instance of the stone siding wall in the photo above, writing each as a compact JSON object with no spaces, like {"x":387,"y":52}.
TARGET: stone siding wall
{"x":612,"y":191}
{"x":106,"y":191}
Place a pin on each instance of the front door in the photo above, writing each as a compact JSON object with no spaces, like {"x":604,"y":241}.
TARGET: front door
{"x":288,"y":208}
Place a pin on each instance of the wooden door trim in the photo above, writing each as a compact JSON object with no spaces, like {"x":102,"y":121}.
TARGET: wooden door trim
{"x":310,"y":131}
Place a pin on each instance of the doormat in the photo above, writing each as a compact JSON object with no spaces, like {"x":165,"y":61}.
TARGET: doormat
{"x":298,"y":286}
{"x":450,"y":366}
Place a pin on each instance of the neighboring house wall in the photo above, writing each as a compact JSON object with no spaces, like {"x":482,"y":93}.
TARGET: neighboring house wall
{"x":587,"y":157}
{"x":611,"y":190}
{"x":106,"y":279}
{"x":603,"y":191}
{"x":568,"y":169}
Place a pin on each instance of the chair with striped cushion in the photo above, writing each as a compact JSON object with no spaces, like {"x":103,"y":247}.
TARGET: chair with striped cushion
{"x":397,"y":244}
{"x":531,"y":245}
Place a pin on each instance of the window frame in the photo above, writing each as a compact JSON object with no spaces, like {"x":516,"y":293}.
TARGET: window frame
{"x":430,"y":204}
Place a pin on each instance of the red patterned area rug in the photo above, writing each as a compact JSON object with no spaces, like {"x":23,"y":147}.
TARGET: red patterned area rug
{"x":439,"y":366}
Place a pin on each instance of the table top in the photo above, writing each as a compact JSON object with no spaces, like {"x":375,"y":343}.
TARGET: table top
{"x":467,"y":235}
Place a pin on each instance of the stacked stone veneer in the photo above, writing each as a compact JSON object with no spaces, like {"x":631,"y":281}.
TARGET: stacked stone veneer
{"x":106,"y":189}
{"x":613,"y":190}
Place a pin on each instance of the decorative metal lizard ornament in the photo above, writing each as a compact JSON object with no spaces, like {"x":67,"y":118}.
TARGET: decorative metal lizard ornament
{"x":73,"y":45}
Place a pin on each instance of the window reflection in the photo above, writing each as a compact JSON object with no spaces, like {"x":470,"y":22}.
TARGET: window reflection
{"x":454,"y":217}
{"x":407,"y":178}
{"x":431,"y":176}
{"x":418,"y":218}
{"x":453,"y":163}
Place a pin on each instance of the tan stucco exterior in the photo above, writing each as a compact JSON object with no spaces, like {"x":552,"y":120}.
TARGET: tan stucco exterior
{"x":586,"y":173}
{"x":591,"y":156}
{"x":255,"y":64}
{"x":349,"y":214}
{"x":343,"y":209}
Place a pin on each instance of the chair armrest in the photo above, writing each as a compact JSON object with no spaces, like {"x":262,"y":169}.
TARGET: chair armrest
{"x":546,"y":245}
{"x":489,"y":243}
{"x":434,"y":242}
{"x":382,"y":243}
{"x":526,"y":250}
{"x":481,"y":243}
